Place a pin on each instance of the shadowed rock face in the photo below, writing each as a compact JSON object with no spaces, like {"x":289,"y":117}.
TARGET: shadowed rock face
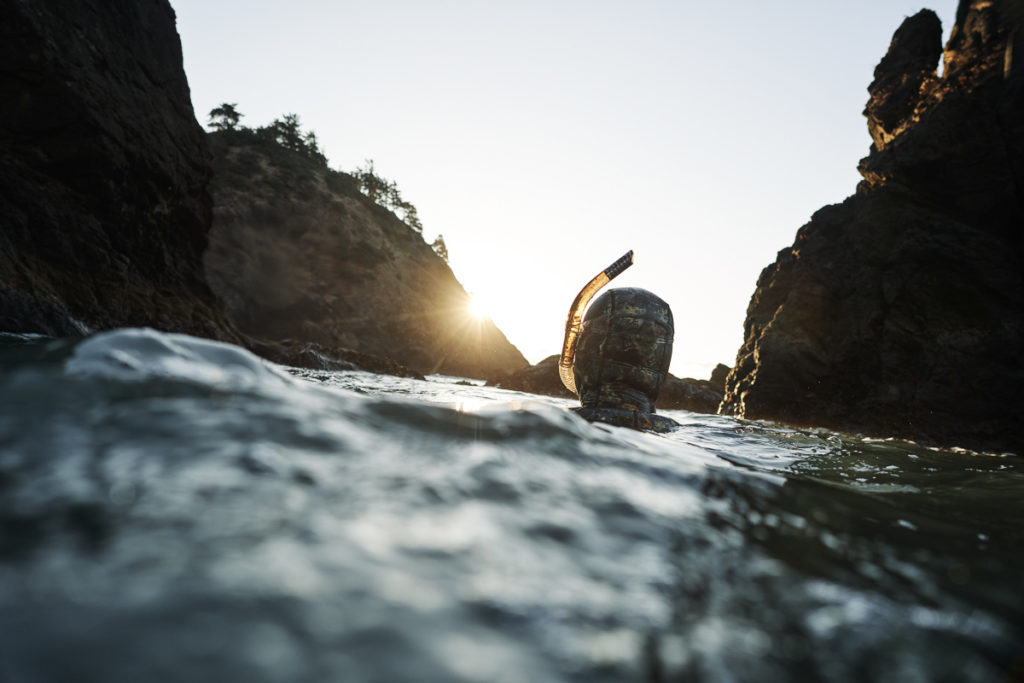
{"x":899,"y":311}
{"x":297,"y":252}
{"x":103,"y":172}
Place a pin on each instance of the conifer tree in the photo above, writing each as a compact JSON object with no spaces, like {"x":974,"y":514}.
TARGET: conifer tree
{"x":225,"y":117}
{"x":440,"y":248}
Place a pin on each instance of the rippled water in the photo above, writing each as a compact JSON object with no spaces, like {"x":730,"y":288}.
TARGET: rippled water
{"x":172,"y":509}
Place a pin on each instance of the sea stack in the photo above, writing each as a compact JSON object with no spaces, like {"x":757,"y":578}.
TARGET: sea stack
{"x":900,"y":311}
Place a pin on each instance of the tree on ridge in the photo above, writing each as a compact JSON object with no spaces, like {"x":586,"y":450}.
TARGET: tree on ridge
{"x":225,"y":117}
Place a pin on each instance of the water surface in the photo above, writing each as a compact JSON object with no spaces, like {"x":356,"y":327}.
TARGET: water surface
{"x":173,"y":509}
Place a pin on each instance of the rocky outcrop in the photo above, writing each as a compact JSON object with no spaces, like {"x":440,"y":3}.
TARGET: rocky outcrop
{"x":541,"y":378}
{"x":105,"y":206}
{"x":899,"y":311}
{"x":103,"y":173}
{"x":699,"y":396}
{"x":316,"y":357}
{"x":695,"y":395}
{"x":298,"y":252}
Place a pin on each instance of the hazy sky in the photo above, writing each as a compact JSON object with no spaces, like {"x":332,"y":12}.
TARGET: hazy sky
{"x":545,"y":139}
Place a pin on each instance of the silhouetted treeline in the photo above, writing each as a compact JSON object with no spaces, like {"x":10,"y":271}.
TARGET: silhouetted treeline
{"x":287,"y":133}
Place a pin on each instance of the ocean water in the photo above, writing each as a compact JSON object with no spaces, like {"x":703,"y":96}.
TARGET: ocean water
{"x":174,"y":509}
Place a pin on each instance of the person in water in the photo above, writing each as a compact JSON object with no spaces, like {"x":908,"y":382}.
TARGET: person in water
{"x":621,"y":359}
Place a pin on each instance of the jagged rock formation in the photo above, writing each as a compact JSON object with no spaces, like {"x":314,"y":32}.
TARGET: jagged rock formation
{"x":695,"y":395}
{"x":899,"y":311}
{"x":298,"y":252}
{"x":103,"y":173}
{"x":699,"y":396}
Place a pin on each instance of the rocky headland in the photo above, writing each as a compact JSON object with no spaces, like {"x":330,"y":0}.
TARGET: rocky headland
{"x":298,"y":252}
{"x":899,"y":311}
{"x":106,"y":213}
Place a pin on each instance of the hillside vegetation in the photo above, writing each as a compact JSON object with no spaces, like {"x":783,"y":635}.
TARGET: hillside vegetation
{"x":298,"y":251}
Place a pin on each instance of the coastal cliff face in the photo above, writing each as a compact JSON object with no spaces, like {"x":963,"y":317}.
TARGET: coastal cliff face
{"x":103,"y":173}
{"x":899,"y":311}
{"x":298,"y":252}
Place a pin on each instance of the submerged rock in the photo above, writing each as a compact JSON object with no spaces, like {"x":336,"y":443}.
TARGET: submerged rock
{"x":316,"y":357}
{"x":103,"y":173}
{"x":898,"y":312}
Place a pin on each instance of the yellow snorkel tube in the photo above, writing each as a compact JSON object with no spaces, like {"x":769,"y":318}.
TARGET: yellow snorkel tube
{"x":575,"y":319}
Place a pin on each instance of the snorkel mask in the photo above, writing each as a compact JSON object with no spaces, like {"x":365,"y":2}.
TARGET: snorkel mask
{"x":575,"y":319}
{"x":617,"y":357}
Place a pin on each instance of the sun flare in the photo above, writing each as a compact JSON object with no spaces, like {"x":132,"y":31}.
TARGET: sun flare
{"x":478,"y":307}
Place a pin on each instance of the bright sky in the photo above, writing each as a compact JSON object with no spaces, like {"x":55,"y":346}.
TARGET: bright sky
{"x":545,"y":139}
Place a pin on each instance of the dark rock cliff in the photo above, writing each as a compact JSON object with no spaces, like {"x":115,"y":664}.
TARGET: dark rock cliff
{"x":298,"y":252}
{"x":103,"y":172}
{"x":899,"y":311}
{"x":105,"y":205}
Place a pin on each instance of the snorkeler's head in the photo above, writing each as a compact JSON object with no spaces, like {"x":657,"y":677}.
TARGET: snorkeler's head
{"x":624,"y":349}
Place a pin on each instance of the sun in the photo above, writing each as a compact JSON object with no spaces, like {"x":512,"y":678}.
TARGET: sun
{"x":478,"y":307}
